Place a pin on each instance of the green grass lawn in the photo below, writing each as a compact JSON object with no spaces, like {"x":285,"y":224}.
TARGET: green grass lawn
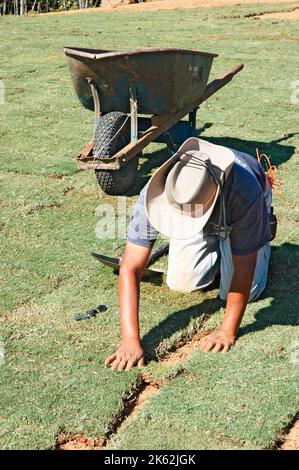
{"x":53,"y":377}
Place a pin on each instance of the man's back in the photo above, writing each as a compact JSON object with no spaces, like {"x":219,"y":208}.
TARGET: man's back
{"x":246,"y":210}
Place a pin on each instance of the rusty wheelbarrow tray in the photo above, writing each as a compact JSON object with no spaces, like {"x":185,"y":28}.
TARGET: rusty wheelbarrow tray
{"x":167,"y":84}
{"x":162,"y":80}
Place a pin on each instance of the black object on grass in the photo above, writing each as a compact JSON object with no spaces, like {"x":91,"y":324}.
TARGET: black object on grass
{"x":91,"y":313}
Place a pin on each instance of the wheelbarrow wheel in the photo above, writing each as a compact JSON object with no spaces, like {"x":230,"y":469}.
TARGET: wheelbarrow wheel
{"x":115,"y":182}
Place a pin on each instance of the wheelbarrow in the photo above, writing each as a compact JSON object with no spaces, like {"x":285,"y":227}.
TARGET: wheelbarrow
{"x":123,"y":88}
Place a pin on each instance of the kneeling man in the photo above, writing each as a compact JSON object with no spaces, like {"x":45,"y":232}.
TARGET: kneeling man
{"x":213,"y":204}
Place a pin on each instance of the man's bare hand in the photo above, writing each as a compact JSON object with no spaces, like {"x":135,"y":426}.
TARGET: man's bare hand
{"x":129,"y":354}
{"x":217,"y":341}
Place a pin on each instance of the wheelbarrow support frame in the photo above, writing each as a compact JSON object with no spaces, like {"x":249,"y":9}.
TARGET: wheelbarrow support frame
{"x":167,"y":128}
{"x":97,"y":106}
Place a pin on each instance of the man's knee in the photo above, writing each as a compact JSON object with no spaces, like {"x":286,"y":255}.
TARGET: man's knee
{"x":186,"y":282}
{"x":181,"y":282}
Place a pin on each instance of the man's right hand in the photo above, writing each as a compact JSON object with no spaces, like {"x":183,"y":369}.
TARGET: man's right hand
{"x":129,"y":354}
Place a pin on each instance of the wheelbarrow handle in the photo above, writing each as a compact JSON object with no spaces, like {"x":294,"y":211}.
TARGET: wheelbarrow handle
{"x":233,"y":71}
{"x":220,"y":82}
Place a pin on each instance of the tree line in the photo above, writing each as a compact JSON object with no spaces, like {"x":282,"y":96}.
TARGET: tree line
{"x":22,"y":7}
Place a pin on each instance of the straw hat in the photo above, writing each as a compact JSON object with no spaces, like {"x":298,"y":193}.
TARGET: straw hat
{"x":181,"y":195}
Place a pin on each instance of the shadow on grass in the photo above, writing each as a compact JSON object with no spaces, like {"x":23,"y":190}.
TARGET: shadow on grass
{"x":175,"y":322}
{"x":154,"y":160}
{"x":278,"y":153}
{"x":283,"y":288}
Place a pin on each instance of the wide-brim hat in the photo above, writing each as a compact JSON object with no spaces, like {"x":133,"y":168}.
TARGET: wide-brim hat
{"x":181,"y":195}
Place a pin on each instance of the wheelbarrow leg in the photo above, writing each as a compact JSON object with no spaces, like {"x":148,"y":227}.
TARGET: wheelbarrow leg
{"x":97,"y":107}
{"x":171,"y":147}
{"x":173,"y":137}
{"x":134,"y":115}
{"x":192,"y":121}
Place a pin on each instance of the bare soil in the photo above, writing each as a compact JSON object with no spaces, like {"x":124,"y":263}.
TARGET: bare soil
{"x":153,"y":5}
{"x":292,"y":439}
{"x":183,"y":351}
{"x":150,"y":389}
{"x":283,"y":15}
{"x":79,"y":442}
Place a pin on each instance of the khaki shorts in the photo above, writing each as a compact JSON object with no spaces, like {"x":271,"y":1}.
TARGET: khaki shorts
{"x":193,"y":264}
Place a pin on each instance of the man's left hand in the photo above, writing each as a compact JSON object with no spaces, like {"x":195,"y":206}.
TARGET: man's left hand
{"x":217,"y":341}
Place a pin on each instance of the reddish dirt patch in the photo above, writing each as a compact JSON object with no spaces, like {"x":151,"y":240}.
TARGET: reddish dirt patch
{"x":282,"y":15}
{"x":79,"y":442}
{"x":150,"y":389}
{"x":169,"y":5}
{"x":292,"y":439}
{"x":173,"y":4}
{"x":183,"y":351}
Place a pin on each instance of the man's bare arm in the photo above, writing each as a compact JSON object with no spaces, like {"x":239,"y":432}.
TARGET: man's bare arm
{"x":236,"y":303}
{"x":130,"y":351}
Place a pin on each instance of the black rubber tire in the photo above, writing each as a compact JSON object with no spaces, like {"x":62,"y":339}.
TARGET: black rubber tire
{"x":115,"y":182}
